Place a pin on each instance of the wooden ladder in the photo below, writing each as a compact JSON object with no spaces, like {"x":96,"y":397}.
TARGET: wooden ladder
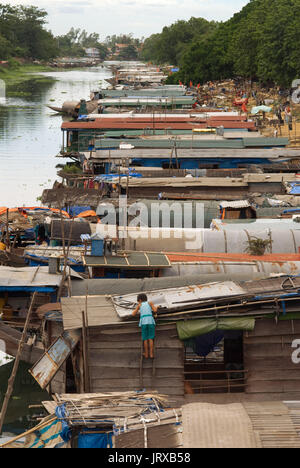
{"x":142,"y":364}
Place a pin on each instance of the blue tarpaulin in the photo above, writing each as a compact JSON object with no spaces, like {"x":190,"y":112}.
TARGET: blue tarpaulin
{"x":90,"y":440}
{"x":76,"y":210}
{"x":295,"y":190}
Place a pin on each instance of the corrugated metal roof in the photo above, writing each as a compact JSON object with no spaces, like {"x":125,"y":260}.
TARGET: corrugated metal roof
{"x":217,"y":426}
{"x":102,"y":286}
{"x":27,"y":277}
{"x":179,"y":297}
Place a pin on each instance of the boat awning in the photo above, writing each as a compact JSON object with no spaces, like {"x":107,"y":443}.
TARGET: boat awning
{"x":132,"y":260}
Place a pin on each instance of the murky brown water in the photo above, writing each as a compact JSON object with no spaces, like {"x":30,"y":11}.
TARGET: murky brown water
{"x":30,"y":134}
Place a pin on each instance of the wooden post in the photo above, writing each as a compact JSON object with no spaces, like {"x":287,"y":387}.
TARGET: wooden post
{"x":16,"y":365}
{"x":85,"y":359}
{"x":65,"y":253}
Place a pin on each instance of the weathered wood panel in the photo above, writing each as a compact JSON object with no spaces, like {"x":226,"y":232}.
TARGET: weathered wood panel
{"x":115,"y":359}
{"x":268,"y":357}
{"x":177,"y":391}
{"x":148,"y":382}
{"x":135,"y":344}
{"x":58,"y":383}
{"x":273,"y":339}
{"x":269,"y":350}
{"x":131,"y":373}
{"x":268,"y":327}
{"x":114,"y":333}
{"x":268,"y":363}
{"x":273,"y":386}
{"x":274,"y":374}
{"x":165,"y":358}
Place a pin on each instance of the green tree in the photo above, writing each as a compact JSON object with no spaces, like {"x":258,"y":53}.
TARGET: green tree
{"x":5,"y":48}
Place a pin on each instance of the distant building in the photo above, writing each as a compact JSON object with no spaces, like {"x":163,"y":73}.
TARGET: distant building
{"x":92,"y":52}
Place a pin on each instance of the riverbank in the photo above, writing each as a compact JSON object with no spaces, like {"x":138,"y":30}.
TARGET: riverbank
{"x":17,"y":76}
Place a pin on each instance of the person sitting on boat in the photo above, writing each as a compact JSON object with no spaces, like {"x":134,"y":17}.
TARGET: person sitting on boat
{"x":147,"y":323}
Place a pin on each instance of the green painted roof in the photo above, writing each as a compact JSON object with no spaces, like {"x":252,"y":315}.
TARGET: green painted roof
{"x":141,"y":260}
{"x":261,"y":141}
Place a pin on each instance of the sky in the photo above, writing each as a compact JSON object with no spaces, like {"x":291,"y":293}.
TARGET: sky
{"x":140,"y":17}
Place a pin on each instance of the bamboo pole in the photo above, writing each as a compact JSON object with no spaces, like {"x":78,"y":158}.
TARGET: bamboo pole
{"x":84,"y":349}
{"x":65,"y":254}
{"x":87,"y":337}
{"x":16,"y":365}
{"x":41,"y":425}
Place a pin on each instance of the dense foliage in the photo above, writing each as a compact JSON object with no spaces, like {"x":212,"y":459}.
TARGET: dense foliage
{"x":22,"y":33}
{"x":260,"y":42}
{"x":169,"y":46}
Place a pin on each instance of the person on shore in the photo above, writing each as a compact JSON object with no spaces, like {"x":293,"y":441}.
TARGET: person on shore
{"x":147,"y":324}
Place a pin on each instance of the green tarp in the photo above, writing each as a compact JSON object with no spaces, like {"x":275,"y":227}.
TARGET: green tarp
{"x":191,"y":328}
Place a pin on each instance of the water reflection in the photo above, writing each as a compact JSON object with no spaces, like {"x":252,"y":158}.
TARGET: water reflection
{"x":30,"y":137}
{"x":30,"y":134}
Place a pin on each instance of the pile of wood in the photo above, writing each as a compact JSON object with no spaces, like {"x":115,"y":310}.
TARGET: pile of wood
{"x":106,"y":409}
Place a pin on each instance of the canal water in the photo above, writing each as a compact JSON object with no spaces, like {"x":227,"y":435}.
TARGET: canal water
{"x":30,"y":137}
{"x":30,"y":134}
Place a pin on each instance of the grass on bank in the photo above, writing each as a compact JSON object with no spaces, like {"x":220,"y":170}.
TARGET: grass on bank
{"x":16,"y":74}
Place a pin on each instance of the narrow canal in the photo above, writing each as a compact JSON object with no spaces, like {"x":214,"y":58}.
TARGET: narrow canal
{"x":30,"y":135}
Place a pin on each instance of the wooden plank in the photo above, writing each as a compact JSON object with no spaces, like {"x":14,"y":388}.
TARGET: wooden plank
{"x":275,"y":374}
{"x":177,"y":391}
{"x":136,"y":344}
{"x":148,"y":383}
{"x":273,"y":339}
{"x":127,"y":328}
{"x":130,"y":373}
{"x":268,"y":350}
{"x":273,"y":386}
{"x":127,"y":335}
{"x":268,"y":363}
{"x":170,"y":358}
{"x":267,"y":327}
